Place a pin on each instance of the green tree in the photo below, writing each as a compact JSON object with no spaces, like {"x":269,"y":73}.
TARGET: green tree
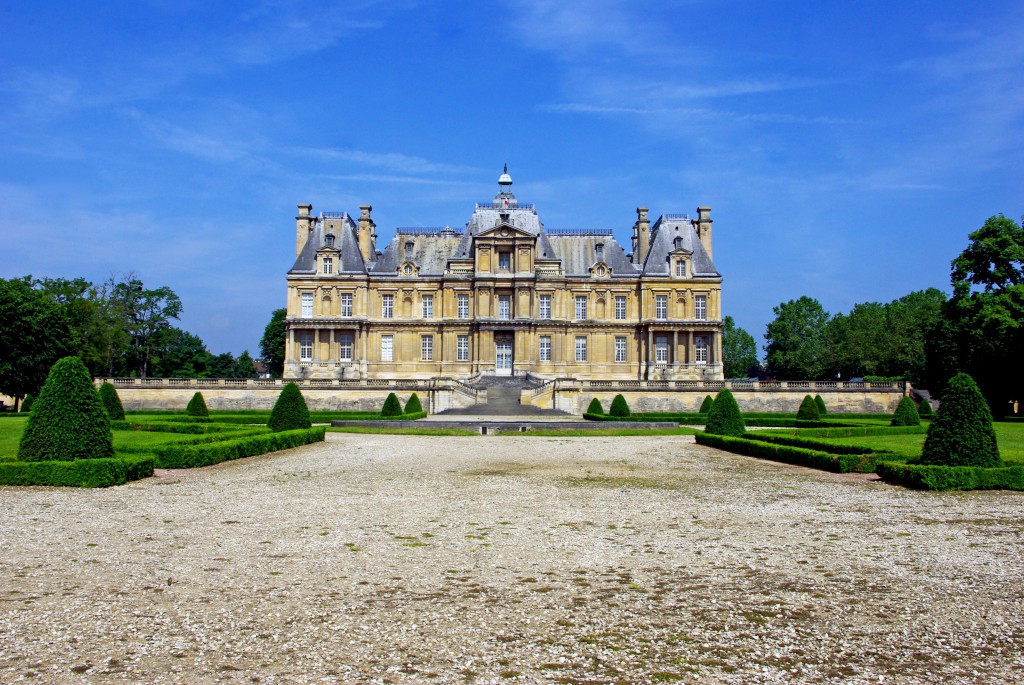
{"x":290,"y":411}
{"x":619,"y":407}
{"x":111,"y":402}
{"x":739,"y":350}
{"x":412,"y":405}
{"x":796,"y":346}
{"x":595,"y":407}
{"x":981,"y":331}
{"x":961,"y":433}
{"x":705,"y":406}
{"x":34,"y":334}
{"x":808,"y":410}
{"x":180,"y":354}
{"x":905,"y":414}
{"x":272,"y":344}
{"x":26,"y":404}
{"x":392,"y":407}
{"x":925,"y":410}
{"x":222,"y":365}
{"x":725,"y":417}
{"x":197,"y":406}
{"x":146,"y":313}
{"x":68,"y":421}
{"x":245,"y":367}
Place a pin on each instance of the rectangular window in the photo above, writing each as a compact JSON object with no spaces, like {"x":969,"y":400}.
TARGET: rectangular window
{"x":345,"y":347}
{"x":620,"y":348}
{"x":387,"y":306}
{"x":700,"y":349}
{"x":581,"y":306}
{"x":545,"y":348}
{"x":504,"y":307}
{"x":307,"y":305}
{"x":661,"y":307}
{"x":346,"y":304}
{"x":661,"y":350}
{"x":463,"y":306}
{"x":504,"y":261}
{"x":428,"y":306}
{"x":581,"y":348}
{"x":306,"y":347}
{"x":620,"y":307}
{"x":700,"y":307}
{"x":545,"y":306}
{"x":462,"y":348}
{"x":427,"y":348}
{"x":387,"y":348}
{"x":681,"y":268}
{"x":328,"y":266}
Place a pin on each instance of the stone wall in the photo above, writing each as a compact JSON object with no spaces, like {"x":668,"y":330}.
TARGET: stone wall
{"x":869,"y":402}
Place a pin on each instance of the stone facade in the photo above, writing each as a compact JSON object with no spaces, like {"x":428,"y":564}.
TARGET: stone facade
{"x":505,"y":296}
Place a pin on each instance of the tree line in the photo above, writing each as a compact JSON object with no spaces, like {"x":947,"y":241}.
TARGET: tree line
{"x":925,"y":337}
{"x":118,"y":327}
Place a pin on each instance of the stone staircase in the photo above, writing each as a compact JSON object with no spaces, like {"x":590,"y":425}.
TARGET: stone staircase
{"x":503,"y":398}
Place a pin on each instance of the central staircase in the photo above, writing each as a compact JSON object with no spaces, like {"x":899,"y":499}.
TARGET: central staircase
{"x":503,"y":398}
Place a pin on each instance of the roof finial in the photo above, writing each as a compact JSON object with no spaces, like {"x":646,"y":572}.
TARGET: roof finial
{"x":506,"y":168}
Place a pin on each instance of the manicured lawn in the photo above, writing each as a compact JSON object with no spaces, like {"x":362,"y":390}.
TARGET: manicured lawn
{"x":1010,"y":437}
{"x":10,"y":435}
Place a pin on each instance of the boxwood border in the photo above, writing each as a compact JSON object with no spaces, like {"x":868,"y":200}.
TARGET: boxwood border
{"x":207,"y":454}
{"x":80,"y":473}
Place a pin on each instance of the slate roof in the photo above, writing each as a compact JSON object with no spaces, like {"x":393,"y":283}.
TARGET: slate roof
{"x":345,"y":242}
{"x":663,"y":235}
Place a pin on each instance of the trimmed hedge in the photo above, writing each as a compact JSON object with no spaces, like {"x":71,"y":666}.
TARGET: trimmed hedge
{"x":905,"y":414}
{"x":195,"y":440}
{"x":193,"y":456}
{"x":820,"y":404}
{"x":961,"y":433}
{"x":724,"y":417}
{"x":392,"y":407}
{"x":800,"y":456}
{"x":932,"y":477}
{"x":67,"y":421}
{"x":808,"y":410}
{"x":705,"y":406}
{"x":290,"y":411}
{"x":174,"y":427}
{"x":197,"y":406}
{"x":80,"y":473}
{"x":594,"y":408}
{"x":111,"y":402}
{"x":925,"y":410}
{"x":863,"y":431}
{"x":820,"y":445}
{"x":26,"y":404}
{"x":412,"y":405}
{"x":619,"y":407}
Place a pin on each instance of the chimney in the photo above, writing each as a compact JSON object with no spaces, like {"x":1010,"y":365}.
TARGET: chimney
{"x":367,"y":242}
{"x":303,"y":227}
{"x":704,"y":228}
{"x":641,"y":236}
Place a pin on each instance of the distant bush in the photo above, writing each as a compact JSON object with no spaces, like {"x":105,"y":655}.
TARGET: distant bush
{"x":290,"y":411}
{"x":392,"y":407}
{"x":961,"y":433}
{"x":905,"y":414}
{"x":197,"y":406}
{"x":808,"y":410}
{"x":925,"y":410}
{"x":595,"y":407}
{"x":26,"y":404}
{"x":820,"y":404}
{"x":724,"y":417}
{"x":111,"y":402}
{"x":705,"y":406}
{"x":67,"y":421}
{"x":619,"y":407}
{"x":413,"y":406}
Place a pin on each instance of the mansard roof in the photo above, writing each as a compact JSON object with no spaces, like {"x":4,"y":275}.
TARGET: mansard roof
{"x":578,"y":253}
{"x":431,"y":250}
{"x":663,"y":235}
{"x":346,"y":243}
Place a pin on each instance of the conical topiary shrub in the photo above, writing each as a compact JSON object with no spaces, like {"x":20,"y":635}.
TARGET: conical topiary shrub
{"x":392,"y":407}
{"x":412,"y":405}
{"x":705,"y":406}
{"x":905,"y":414}
{"x":290,"y":411}
{"x":197,"y":406}
{"x":820,"y":404}
{"x":67,"y":420}
{"x":26,"y":404}
{"x":725,"y":417}
{"x":808,"y":410}
{"x":925,"y":410}
{"x":961,"y":433}
{"x":619,"y":407}
{"x":111,"y":402}
{"x":595,"y":407}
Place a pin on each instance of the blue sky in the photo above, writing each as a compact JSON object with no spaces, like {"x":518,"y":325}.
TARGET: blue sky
{"x":847,"y":149}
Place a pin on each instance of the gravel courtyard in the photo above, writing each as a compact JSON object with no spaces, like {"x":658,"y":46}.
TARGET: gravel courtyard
{"x":509,"y":560}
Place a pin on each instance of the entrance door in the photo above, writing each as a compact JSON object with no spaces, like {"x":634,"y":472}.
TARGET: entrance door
{"x":502,"y":355}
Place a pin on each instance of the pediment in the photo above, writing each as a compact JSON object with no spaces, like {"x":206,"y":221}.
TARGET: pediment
{"x":505,"y":231}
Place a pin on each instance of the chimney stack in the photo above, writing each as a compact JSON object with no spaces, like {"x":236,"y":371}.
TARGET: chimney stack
{"x":641,"y":236}
{"x":367,"y":237}
{"x":704,"y":228}
{"x":303,"y":227}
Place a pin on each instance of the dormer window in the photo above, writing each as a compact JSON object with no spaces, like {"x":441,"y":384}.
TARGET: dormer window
{"x":681,"y":268}
{"x":328,"y":266}
{"x":408,"y":249}
{"x":329,"y":239}
{"x":599,"y":248}
{"x":678,"y":242}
